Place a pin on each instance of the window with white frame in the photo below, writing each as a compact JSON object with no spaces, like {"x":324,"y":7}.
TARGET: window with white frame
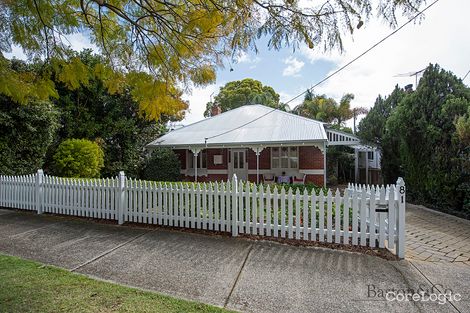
{"x":370,"y":155}
{"x":201,"y":159}
{"x":284,"y":157}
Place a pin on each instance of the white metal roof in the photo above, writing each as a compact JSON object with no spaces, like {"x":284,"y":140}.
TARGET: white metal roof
{"x":246,"y":125}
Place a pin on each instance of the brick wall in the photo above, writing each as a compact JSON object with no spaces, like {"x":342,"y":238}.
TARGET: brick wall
{"x":264,"y":159}
{"x":310,"y":158}
{"x":210,"y":159}
{"x":316,"y":179}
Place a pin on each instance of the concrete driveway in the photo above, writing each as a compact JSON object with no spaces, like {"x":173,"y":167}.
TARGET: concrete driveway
{"x":229,"y":272}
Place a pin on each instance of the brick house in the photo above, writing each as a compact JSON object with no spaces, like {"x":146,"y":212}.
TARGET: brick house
{"x":254,"y":142}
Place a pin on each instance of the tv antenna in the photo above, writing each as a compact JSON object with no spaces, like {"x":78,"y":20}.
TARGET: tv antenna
{"x":415,"y":74}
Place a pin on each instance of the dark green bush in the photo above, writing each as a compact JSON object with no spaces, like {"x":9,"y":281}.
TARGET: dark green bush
{"x":26,"y":133}
{"x":161,"y":165}
{"x":78,"y":158}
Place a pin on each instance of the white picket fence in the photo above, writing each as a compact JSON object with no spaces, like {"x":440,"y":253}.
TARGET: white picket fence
{"x":363,"y":215}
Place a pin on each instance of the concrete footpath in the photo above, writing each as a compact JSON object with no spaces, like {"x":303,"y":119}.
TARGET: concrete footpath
{"x":235,"y":273}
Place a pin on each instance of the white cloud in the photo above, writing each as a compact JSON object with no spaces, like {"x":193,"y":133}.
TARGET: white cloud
{"x":198,"y":99}
{"x":79,"y":42}
{"x":438,"y":39}
{"x":244,"y":57}
{"x":294,"y":66}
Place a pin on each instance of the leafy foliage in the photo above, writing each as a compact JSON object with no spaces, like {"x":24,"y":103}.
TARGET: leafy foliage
{"x":78,"y":158}
{"x":161,"y":165}
{"x":243,"y":92}
{"x":27,"y":132}
{"x":424,"y":136}
{"x":372,"y":129}
{"x":322,"y":108}
{"x":92,"y":113}
{"x":157,"y":46}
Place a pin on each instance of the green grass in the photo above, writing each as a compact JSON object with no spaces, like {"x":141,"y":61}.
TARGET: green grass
{"x":27,"y":286}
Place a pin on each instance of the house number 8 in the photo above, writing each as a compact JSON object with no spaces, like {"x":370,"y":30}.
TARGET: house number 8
{"x":402,"y":189}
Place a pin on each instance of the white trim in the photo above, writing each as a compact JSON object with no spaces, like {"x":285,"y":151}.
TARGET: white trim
{"x":217,"y":172}
{"x":265,"y":171}
{"x":340,"y":138}
{"x":312,"y":172}
{"x":203,"y":172}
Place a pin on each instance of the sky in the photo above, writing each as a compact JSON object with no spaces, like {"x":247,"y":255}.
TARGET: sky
{"x":442,"y":37}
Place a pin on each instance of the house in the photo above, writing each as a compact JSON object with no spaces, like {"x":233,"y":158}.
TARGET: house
{"x":367,"y":164}
{"x":255,"y":142}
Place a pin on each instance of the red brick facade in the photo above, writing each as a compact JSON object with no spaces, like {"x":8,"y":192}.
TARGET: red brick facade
{"x":210,"y":159}
{"x":310,"y":158}
{"x":264,"y":159}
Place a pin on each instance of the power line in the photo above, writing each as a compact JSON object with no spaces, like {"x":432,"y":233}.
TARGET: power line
{"x":334,"y":73}
{"x":466,"y":75}
{"x":365,"y":52}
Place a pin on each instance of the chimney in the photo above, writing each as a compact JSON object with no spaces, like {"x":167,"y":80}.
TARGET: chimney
{"x":215,"y":110}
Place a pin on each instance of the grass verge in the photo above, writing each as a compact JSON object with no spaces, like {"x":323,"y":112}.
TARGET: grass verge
{"x":27,"y":286}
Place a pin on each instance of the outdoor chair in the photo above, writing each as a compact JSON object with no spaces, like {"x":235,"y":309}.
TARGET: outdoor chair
{"x":299,"y":179}
{"x":268,"y":178}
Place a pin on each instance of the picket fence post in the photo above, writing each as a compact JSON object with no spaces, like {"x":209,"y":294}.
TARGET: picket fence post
{"x":234,"y":201}
{"x":39,"y":191}
{"x":401,"y":199}
{"x":122,"y":209}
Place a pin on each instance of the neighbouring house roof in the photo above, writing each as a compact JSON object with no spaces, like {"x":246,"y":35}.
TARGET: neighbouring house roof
{"x":246,"y":125}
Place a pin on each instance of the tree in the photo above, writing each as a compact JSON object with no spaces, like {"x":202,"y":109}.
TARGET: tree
{"x":244,"y":92}
{"x":90,"y":112}
{"x":27,"y":132}
{"x":161,"y":165}
{"x":322,"y":108}
{"x":432,"y":155}
{"x":372,"y":129}
{"x":78,"y":158}
{"x":372,"y":126}
{"x":157,"y":46}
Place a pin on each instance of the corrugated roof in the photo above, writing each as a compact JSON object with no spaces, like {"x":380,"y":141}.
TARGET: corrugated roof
{"x":249,"y":124}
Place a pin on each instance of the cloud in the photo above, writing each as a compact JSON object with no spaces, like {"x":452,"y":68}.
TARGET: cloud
{"x":198,"y":99}
{"x":438,"y":39}
{"x":293,"y":67}
{"x":244,"y":57}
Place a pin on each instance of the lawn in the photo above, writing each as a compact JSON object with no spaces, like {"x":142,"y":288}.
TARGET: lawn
{"x":27,"y":286}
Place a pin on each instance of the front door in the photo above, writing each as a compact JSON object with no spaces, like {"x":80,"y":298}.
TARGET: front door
{"x":238,"y":164}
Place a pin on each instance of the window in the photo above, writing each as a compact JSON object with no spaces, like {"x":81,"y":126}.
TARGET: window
{"x":284,"y":157}
{"x":201,"y":159}
{"x":238,"y":159}
{"x":370,"y":155}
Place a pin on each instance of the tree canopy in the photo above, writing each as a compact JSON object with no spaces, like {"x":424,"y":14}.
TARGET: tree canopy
{"x":424,"y":137}
{"x":244,"y":92}
{"x":91,"y":112}
{"x":322,"y":108}
{"x":26,"y":133}
{"x":158,"y":47}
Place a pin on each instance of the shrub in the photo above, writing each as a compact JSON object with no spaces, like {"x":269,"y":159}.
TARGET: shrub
{"x":78,"y":158}
{"x":26,"y":133}
{"x":161,"y":165}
